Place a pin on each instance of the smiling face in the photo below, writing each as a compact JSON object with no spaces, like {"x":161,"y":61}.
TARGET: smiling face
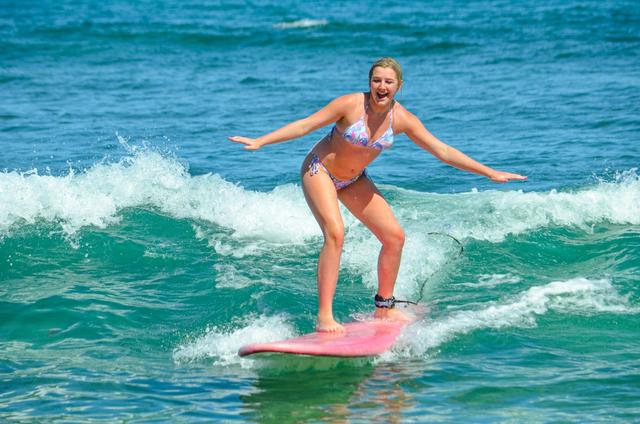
{"x":384,"y":84}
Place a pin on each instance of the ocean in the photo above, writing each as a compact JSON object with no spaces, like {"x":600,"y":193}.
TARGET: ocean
{"x":139,"y":248}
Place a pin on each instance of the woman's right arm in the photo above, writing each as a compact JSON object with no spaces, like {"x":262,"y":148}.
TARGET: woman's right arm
{"x":328,"y":114}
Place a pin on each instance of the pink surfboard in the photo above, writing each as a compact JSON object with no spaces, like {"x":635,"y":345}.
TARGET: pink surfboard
{"x":361,"y":338}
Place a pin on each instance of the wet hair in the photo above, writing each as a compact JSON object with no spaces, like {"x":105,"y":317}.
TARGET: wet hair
{"x":387,"y":62}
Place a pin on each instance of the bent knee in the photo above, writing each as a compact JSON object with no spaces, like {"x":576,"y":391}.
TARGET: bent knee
{"x":334,"y":235}
{"x":393,"y":238}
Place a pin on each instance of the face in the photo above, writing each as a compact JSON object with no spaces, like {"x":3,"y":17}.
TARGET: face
{"x":384,"y":85}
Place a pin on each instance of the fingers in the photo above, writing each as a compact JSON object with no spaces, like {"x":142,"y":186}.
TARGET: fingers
{"x":517,"y":177}
{"x":507,"y":178}
{"x":249,"y":143}
{"x":504,"y":177}
{"x":238,"y":139}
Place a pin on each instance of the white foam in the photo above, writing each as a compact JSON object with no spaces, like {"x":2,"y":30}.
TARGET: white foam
{"x":221,"y":346}
{"x":148,"y":179}
{"x":579,"y":296}
{"x":422,"y":256}
{"x":493,"y":280}
{"x":493,"y":215}
{"x":249,"y":223}
{"x":302,"y":23}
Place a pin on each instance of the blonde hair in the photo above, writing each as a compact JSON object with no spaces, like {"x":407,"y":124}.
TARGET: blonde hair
{"x":387,"y":62}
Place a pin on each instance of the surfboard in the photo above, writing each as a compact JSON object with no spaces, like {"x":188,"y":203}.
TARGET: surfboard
{"x":361,"y":338}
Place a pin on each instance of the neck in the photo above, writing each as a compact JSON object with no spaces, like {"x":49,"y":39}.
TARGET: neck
{"x":378,"y":110}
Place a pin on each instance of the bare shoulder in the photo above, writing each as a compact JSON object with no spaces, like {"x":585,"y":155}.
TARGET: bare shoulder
{"x":349,"y":100}
{"x":334,"y":111}
{"x":403,"y":119}
{"x":344,"y":105}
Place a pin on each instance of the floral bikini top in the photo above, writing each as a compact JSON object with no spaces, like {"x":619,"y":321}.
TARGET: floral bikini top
{"x":356,"y":133}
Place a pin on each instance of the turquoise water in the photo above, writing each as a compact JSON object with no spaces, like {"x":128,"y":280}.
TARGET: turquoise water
{"x":139,"y":249}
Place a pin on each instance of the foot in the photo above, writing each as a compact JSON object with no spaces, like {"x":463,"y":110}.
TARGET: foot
{"x":329,"y":325}
{"x":392,"y":315}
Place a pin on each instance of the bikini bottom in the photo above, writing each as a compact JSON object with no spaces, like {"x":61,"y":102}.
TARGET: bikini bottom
{"x":339,"y":184}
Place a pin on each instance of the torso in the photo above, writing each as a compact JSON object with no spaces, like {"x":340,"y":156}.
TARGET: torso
{"x":366,"y":137}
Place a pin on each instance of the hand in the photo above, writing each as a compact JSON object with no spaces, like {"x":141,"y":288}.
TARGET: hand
{"x":249,"y":143}
{"x":503,"y":177}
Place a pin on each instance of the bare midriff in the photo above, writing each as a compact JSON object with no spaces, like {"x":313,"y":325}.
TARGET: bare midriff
{"x":343,"y":159}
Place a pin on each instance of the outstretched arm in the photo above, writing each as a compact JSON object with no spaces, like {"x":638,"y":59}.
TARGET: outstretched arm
{"x":328,"y":114}
{"x":449,"y":155}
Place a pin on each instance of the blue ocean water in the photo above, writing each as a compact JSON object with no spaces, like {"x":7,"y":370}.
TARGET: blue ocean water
{"x":139,"y":249}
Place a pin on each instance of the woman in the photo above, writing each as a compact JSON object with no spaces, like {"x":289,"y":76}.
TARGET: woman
{"x":334,"y":169}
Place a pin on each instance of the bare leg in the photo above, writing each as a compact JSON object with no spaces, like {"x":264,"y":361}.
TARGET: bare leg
{"x":366,"y":203}
{"x":322,"y":198}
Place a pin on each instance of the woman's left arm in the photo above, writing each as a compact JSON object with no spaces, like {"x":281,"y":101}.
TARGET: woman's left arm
{"x":416,"y":131}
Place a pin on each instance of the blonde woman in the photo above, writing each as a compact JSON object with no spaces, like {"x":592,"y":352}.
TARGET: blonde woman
{"x":365,"y":124}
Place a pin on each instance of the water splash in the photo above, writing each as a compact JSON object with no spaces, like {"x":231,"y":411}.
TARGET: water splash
{"x":578,"y":296}
{"x":221,"y":345}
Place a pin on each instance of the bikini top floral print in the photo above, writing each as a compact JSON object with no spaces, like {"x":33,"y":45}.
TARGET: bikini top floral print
{"x":356,"y":133}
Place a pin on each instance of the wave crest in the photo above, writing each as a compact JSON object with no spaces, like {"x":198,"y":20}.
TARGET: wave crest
{"x":578,"y":296}
{"x":149,"y":179}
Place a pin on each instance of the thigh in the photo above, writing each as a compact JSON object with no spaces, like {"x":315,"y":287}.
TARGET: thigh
{"x":322,"y":198}
{"x":366,"y":203}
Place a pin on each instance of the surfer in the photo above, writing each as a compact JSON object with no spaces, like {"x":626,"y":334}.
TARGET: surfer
{"x":334,"y":170}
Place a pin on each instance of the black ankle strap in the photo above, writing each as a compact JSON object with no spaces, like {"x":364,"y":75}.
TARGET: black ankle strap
{"x":389,"y":303}
{"x":381,"y":302}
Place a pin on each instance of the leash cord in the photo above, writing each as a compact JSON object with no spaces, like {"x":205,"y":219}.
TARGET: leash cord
{"x":424,"y":283}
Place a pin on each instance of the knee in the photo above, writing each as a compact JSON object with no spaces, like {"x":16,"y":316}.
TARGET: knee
{"x":394,"y":238}
{"x":334,"y":235}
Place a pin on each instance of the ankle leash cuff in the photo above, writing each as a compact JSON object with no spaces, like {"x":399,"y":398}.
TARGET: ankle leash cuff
{"x":381,"y":302}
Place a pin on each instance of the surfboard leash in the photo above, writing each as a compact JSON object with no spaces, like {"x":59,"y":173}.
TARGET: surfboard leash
{"x":448,"y":261}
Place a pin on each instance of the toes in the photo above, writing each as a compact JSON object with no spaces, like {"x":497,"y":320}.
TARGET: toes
{"x":332,"y":328}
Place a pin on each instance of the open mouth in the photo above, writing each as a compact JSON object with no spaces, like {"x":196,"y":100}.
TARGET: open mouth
{"x":381,"y":96}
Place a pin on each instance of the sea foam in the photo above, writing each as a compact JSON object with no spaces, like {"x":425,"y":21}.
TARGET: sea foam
{"x":221,"y":345}
{"x":150,"y":180}
{"x":147,"y":179}
{"x":577,"y":296}
{"x":493,"y":215}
